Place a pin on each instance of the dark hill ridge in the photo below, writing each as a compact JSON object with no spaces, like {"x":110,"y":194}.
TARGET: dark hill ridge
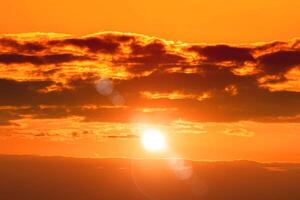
{"x":61,"y":178}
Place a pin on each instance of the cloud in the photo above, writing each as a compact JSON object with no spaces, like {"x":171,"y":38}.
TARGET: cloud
{"x":238,"y":132}
{"x":122,"y":136}
{"x":55,"y":78}
{"x":24,"y":47}
{"x":176,"y":95}
{"x":148,"y":57}
{"x":280,"y":62}
{"x":95,"y":45}
{"x":219,"y":53}
{"x":13,"y":58}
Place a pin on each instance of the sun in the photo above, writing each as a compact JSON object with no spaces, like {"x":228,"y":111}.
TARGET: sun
{"x":153,"y":140}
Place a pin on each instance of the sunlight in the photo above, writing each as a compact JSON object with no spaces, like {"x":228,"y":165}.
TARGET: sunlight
{"x":153,"y":140}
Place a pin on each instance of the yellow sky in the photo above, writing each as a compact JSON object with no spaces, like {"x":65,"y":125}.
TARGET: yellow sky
{"x":213,"y":21}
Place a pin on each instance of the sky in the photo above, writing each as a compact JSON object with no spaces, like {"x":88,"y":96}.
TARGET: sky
{"x":213,"y":21}
{"x":220,"y":80}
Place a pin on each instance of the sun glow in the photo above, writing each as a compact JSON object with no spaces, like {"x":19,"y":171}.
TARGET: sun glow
{"x":153,"y":140}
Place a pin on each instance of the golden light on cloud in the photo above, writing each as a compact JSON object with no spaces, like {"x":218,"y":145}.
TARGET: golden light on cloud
{"x":175,"y":95}
{"x":153,"y":140}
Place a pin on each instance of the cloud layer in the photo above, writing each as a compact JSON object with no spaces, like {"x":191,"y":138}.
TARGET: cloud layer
{"x":123,"y":77}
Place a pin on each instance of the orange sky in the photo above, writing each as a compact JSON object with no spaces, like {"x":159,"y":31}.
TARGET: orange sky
{"x":213,"y":21}
{"x":89,"y":93}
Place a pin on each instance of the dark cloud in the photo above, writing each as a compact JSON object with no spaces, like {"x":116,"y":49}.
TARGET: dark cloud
{"x":211,"y":77}
{"x":35,"y":93}
{"x":138,"y":64}
{"x":149,"y":57}
{"x":279,"y":62}
{"x":21,"y":92}
{"x":220,"y":53}
{"x":109,"y":44}
{"x":153,"y":48}
{"x":15,"y":58}
{"x":27,"y":47}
